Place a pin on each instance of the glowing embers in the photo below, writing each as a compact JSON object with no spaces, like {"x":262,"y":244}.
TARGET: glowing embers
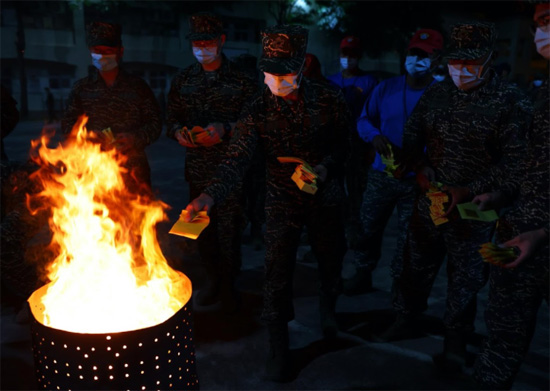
{"x":161,"y":357}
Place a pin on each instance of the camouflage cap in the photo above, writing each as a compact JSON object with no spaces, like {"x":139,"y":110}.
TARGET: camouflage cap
{"x":103,"y":34}
{"x":204,"y":26}
{"x":470,"y":41}
{"x":283,"y":49}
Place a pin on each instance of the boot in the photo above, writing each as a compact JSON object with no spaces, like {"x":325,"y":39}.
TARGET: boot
{"x":278,"y":368}
{"x":404,"y":327}
{"x":360,"y":283}
{"x":453,"y":358}
{"x":327,"y":312}
{"x":208,"y":294}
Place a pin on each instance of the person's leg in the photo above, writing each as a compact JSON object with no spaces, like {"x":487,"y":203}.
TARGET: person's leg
{"x":405,"y":205}
{"x":230,"y":224}
{"x":283,"y":229}
{"x":466,"y":276}
{"x":379,"y":200}
{"x":423,"y":254}
{"x":515,"y":296}
{"x":327,"y":237}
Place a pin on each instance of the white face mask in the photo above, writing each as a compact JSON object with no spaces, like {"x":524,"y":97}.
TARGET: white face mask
{"x":467,"y":77}
{"x":104,"y":62}
{"x":205,"y":55}
{"x":416,"y":67}
{"x":348,"y":62}
{"x":542,"y":40}
{"x":537,"y":83}
{"x":439,"y":77}
{"x":281,"y":85}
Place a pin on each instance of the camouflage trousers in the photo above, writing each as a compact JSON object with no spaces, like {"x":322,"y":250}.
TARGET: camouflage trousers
{"x":425,"y":249}
{"x":220,"y":243}
{"x":515,"y":297}
{"x":381,"y":196}
{"x":284,"y":223}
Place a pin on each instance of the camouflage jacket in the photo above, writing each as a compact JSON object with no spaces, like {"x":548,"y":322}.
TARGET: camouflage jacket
{"x":197,"y":98}
{"x":315,"y":128}
{"x":472,"y":139}
{"x":532,"y":182}
{"x":129,"y":106}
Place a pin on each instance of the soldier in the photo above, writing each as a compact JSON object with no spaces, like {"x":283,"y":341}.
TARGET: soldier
{"x":517,"y":289}
{"x":469,"y":126}
{"x":206,"y":98}
{"x":357,"y":85}
{"x":114,"y":99}
{"x":381,"y":123}
{"x":298,"y":117}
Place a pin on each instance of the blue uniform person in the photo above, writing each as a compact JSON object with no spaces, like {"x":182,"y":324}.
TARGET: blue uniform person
{"x":381,"y":123}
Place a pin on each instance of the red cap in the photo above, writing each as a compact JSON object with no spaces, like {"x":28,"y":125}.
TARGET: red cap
{"x":350,"y":42}
{"x":540,"y":10}
{"x":427,"y":40}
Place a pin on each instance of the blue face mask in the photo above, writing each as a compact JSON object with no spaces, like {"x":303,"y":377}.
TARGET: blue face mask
{"x":205,"y":55}
{"x":416,"y":67}
{"x":348,"y":62}
{"x":537,"y":83}
{"x":104,"y":62}
{"x":439,"y":77}
{"x":281,"y":85}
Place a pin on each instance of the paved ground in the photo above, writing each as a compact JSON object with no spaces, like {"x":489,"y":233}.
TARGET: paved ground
{"x":231,"y":349}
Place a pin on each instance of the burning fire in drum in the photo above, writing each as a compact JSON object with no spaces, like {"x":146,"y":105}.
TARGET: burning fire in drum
{"x":113,"y":315}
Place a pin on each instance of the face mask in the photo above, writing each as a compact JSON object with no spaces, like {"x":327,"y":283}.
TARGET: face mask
{"x":104,"y":62}
{"x":542,"y":40}
{"x":348,"y":62}
{"x":439,"y":77}
{"x":281,"y":85}
{"x":467,"y":77}
{"x":417,"y":67}
{"x":537,"y":83}
{"x":205,"y":55}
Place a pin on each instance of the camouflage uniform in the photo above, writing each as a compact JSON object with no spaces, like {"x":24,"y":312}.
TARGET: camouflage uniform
{"x":128,"y":106}
{"x":471,"y":141}
{"x":315,"y":129}
{"x":197,"y":98}
{"x":515,"y":294}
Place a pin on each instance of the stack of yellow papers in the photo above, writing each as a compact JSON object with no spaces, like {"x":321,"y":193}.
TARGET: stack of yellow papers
{"x":304,"y":176}
{"x":437,"y":199}
{"x":193,"y":228}
{"x":470,"y":211}
{"x":391,"y":168}
{"x":496,"y":254}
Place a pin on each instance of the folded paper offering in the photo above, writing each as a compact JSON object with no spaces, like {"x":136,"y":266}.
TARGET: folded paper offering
{"x":108,"y":133}
{"x":470,"y":211}
{"x":190,"y":229}
{"x":304,"y":176}
{"x":438,"y":200}
{"x":497,"y":255}
{"x":391,"y":169}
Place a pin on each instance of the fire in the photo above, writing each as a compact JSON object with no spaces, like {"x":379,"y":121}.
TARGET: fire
{"x":109,"y":274}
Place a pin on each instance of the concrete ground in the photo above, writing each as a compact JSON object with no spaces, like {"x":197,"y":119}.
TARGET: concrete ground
{"x":231,"y":349}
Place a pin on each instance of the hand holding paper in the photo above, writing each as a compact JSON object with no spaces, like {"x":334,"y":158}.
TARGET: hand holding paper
{"x":304,"y":175}
{"x":190,"y":226}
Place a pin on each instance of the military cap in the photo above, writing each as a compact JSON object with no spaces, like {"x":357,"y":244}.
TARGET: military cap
{"x":103,"y":34}
{"x":470,"y":41}
{"x":204,"y":26}
{"x":283,"y":49}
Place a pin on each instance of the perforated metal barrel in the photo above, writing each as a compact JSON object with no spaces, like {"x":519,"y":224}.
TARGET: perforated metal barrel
{"x":161,"y":357}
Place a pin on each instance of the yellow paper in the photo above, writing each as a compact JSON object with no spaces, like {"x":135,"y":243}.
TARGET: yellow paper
{"x":193,"y":228}
{"x":304,"y":176}
{"x":470,"y":211}
{"x":109,"y":135}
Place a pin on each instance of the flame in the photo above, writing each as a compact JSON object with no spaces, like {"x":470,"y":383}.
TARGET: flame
{"x":109,"y":274}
